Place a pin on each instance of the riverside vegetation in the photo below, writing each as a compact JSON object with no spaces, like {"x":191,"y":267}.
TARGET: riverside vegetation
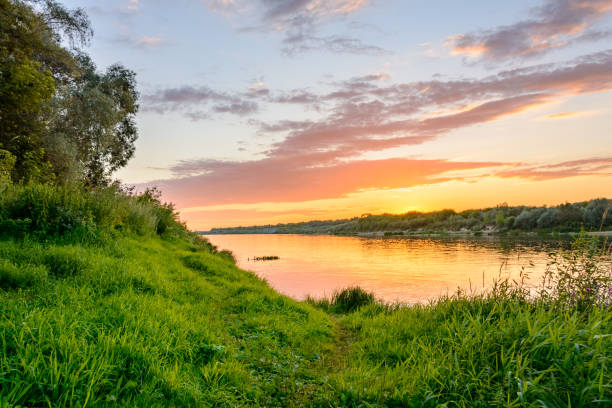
{"x":108,"y":300}
{"x":590,"y":215}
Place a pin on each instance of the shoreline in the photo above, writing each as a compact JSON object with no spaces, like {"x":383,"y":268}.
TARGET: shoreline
{"x":428,"y":234}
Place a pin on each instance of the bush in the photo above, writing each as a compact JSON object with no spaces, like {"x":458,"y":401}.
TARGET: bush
{"x":44,"y":211}
{"x":548,"y":218}
{"x":510,"y":222}
{"x":579,"y":278}
{"x":350,"y":299}
{"x":569,"y":215}
{"x":7,"y":163}
{"x":527,"y":219}
{"x":597,"y":214}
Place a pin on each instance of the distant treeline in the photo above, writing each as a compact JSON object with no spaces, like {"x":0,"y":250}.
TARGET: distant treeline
{"x":590,"y":215}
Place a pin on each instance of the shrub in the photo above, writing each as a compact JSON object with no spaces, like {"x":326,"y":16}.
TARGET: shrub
{"x":579,"y":278}
{"x":7,"y":163}
{"x":547,"y":219}
{"x":510,"y":222}
{"x":350,"y":299}
{"x":527,"y":219}
{"x":569,"y":215}
{"x":44,"y":211}
{"x":500,"y":220}
{"x":597,"y":214}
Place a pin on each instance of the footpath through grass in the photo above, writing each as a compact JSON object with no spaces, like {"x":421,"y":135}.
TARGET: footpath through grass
{"x":147,"y":322}
{"x":106,"y":300}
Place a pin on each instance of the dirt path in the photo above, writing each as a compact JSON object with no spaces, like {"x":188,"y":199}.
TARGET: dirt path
{"x":335,"y":360}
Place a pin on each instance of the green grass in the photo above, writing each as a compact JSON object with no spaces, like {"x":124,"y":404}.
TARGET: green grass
{"x":146,"y":322}
{"x":476,"y":352}
{"x":343,"y":301}
{"x":125,"y":313}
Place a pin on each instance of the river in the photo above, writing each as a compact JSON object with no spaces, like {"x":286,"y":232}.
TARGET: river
{"x":407,"y":270}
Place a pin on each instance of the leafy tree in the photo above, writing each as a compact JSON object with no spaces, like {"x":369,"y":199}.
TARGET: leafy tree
{"x":93,"y":129}
{"x":548,"y":218}
{"x":7,"y":162}
{"x":510,"y":222}
{"x":23,"y":93}
{"x":61,"y":118}
{"x":32,"y":59}
{"x":598,"y":213}
{"x":569,"y":215}
{"x":527,"y":219}
{"x":500,"y":220}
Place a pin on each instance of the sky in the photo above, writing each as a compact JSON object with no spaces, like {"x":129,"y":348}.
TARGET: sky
{"x":265,"y":111}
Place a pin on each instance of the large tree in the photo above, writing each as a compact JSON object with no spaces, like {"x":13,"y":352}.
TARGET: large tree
{"x":61,"y":118}
{"x":92,"y":128}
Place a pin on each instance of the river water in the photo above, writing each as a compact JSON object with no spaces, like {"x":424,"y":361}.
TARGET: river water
{"x":408,"y":270}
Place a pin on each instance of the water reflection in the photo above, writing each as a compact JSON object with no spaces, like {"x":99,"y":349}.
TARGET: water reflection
{"x":395,"y":269}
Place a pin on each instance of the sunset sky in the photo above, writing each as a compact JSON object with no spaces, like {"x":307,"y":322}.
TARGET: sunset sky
{"x":267,"y":111}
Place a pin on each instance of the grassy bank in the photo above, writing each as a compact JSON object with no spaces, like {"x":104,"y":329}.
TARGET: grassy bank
{"x":107,"y":300}
{"x":468,"y":352}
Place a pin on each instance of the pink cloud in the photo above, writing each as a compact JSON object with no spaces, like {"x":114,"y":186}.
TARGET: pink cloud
{"x":280,"y":180}
{"x":598,"y":166}
{"x":321,"y":159}
{"x":555,"y":24}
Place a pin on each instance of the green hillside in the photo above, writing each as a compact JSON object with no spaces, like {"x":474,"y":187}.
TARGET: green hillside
{"x":107,"y":300}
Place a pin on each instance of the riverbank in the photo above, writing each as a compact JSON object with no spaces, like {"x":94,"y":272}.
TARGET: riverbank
{"x":139,"y":316}
{"x":485,"y":233}
{"x":154,"y":322}
{"x":436,"y":233}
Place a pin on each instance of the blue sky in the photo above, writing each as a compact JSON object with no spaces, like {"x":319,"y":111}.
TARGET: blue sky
{"x":436,"y":98}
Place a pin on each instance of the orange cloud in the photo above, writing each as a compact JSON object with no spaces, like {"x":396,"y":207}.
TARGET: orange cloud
{"x":321,"y":159}
{"x":598,"y":166}
{"x":461,"y":195}
{"x":571,"y":115}
{"x":261,"y":181}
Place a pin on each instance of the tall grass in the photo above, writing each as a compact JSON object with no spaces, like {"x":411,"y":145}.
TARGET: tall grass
{"x":71,"y":214}
{"x":107,"y":300}
{"x":142,"y":321}
{"x":516,"y":346}
{"x":345,"y":300}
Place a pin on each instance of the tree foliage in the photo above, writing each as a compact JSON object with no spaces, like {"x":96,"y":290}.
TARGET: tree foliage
{"x":590,"y":215}
{"x":61,"y":118}
{"x":92,"y":129}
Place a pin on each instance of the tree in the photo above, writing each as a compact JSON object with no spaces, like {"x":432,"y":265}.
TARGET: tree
{"x":24,"y":90}
{"x":59,"y":117}
{"x":93,"y":130}
{"x":32,"y":60}
{"x":527,"y":219}
{"x":548,"y":218}
{"x":500,"y":220}
{"x":598,"y":213}
{"x":569,"y":215}
{"x":7,"y":162}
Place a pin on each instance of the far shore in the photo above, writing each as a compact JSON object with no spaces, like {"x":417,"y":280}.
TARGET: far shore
{"x":479,"y":233}
{"x":459,"y":234}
